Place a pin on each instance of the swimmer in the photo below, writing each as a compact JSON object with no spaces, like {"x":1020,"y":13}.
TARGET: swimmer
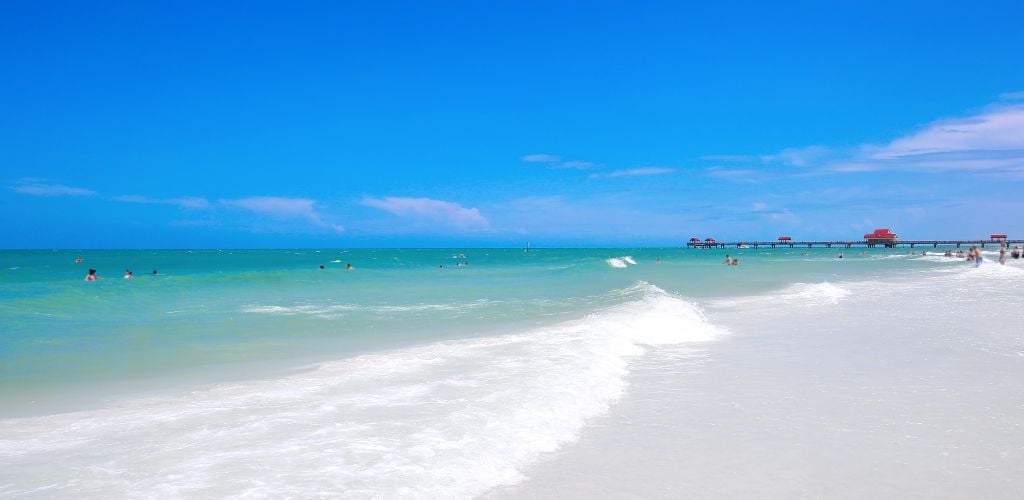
{"x":840,"y":255}
{"x":92,"y":276}
{"x":348,"y":267}
{"x":154,"y":272}
{"x":658,"y":260}
{"x":974,"y":254}
{"x":128,"y":274}
{"x":78,"y":260}
{"x":735,"y":262}
{"x":728,"y":261}
{"x":1002,"y":254}
{"x":321,"y":266}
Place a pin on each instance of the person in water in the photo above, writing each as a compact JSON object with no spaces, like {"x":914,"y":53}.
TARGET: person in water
{"x":973,"y":254}
{"x":128,"y":274}
{"x":92,"y":276}
{"x":321,"y":266}
{"x":348,"y":267}
{"x":154,"y":272}
{"x":728,"y":261}
{"x":1002,"y":253}
{"x":840,"y":255}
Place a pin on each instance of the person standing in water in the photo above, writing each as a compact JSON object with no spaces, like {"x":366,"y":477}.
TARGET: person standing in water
{"x":1002,"y":253}
{"x":92,"y":276}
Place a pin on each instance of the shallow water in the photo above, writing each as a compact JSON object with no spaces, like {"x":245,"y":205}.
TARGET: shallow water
{"x":610,"y":372}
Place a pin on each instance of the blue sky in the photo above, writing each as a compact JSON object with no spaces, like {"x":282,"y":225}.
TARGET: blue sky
{"x":240,"y":124}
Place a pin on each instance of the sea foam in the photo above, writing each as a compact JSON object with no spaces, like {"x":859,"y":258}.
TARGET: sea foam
{"x":445,"y":420}
{"x":621,"y":262}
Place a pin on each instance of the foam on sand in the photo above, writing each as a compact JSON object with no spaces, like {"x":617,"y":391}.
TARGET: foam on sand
{"x":444,"y":420}
{"x":797,"y":294}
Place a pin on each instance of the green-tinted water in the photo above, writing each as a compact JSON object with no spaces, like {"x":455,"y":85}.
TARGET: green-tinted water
{"x":213,"y":309}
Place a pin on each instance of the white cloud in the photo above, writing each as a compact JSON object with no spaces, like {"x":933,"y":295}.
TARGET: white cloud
{"x":284,"y":208}
{"x":576,"y":164}
{"x":437,"y":211}
{"x":187,"y":202}
{"x":190,"y":202}
{"x":798,"y":157}
{"x":729,"y":158}
{"x":634,"y":172}
{"x":541,"y":158}
{"x":997,"y":131}
{"x":555,"y":162}
{"x":735,"y":174}
{"x":39,"y":187}
{"x":991,"y":141}
{"x":1011,"y":96}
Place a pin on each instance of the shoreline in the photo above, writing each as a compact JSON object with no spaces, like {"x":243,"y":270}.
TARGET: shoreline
{"x":811,"y":403}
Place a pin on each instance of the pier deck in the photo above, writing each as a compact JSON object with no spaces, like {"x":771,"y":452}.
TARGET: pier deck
{"x":850,"y":244}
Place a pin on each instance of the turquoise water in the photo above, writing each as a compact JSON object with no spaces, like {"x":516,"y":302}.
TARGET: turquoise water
{"x":255,"y":373}
{"x":228,"y":310}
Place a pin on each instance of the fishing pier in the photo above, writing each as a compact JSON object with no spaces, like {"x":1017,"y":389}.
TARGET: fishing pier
{"x":879,"y":238}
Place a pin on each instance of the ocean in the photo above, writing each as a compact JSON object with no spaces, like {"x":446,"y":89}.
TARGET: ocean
{"x":500,"y":373}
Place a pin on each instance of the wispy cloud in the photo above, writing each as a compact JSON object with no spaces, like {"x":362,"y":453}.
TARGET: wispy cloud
{"x":555,"y":161}
{"x":642,"y":171}
{"x":991,"y":142}
{"x":798,"y":157}
{"x":576,"y":164}
{"x":1011,"y":96}
{"x":735,"y":174}
{"x":541,"y":158}
{"x":729,"y":158}
{"x":284,"y":208}
{"x":994,"y":139}
{"x":40,"y":187}
{"x":437,"y":211}
{"x":186,"y":202}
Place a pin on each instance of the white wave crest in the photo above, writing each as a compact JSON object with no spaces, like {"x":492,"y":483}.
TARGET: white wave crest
{"x":621,"y":262}
{"x":445,"y":420}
